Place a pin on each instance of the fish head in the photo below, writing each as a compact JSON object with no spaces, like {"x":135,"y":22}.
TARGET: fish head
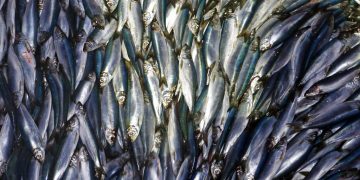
{"x":43,"y":36}
{"x":185,"y":52}
{"x":74,"y":161}
{"x":167,"y":97}
{"x":194,"y":25}
{"x":91,"y":77}
{"x":133,"y":132}
{"x":98,"y":21}
{"x":90,"y":45}
{"x":39,"y":154}
{"x":3,"y":167}
{"x":110,"y":136}
{"x":313,"y":91}
{"x":72,"y":124}
{"x":145,"y":42}
{"x":52,"y":64}
{"x":83,"y":155}
{"x":265,"y":45}
{"x":121,"y":97}
{"x":104,"y":78}
{"x":58,"y":33}
{"x":81,"y":35}
{"x":147,"y":17}
{"x":216,"y":168}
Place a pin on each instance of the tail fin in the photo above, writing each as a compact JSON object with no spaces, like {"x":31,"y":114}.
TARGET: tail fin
{"x":296,"y":126}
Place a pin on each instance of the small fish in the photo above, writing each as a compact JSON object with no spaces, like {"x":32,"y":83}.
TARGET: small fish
{"x":94,"y":10}
{"x":47,"y":20}
{"x":109,"y":115}
{"x":134,"y":104}
{"x":324,"y":165}
{"x":187,"y":77}
{"x":112,"y":60}
{"x":215,"y":95}
{"x":274,"y":160}
{"x":30,"y":133}
{"x":67,"y":148}
{"x":7,"y":138}
{"x":15,"y":77}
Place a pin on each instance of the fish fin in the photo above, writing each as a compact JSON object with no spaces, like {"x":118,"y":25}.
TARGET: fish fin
{"x":305,"y":173}
{"x":296,"y":126}
{"x":186,"y":5}
{"x":163,"y":80}
{"x":178,"y":92}
{"x":208,"y":72}
{"x":170,"y":37}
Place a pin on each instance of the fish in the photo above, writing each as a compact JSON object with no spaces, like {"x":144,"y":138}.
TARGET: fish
{"x":187,"y":77}
{"x":31,"y":133}
{"x":67,"y":147}
{"x":8,"y":140}
{"x":275,"y":158}
{"x":135,"y":104}
{"x":109,"y":116}
{"x":324,"y":164}
{"x":112,"y":59}
{"x":94,"y":10}
{"x":188,"y":89}
{"x":175,"y":140}
{"x":28,"y":64}
{"x":15,"y":76}
{"x":215,"y":95}
{"x":47,"y":20}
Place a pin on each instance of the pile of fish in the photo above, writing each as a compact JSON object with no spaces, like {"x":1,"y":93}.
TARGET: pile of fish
{"x":197,"y":89}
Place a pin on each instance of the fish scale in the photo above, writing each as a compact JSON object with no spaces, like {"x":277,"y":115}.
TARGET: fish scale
{"x":179,"y":89}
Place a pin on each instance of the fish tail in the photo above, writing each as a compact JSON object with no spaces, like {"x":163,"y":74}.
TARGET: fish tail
{"x":296,"y":126}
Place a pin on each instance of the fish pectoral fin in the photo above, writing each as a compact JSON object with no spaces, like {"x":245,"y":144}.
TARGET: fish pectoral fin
{"x":178,"y":92}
